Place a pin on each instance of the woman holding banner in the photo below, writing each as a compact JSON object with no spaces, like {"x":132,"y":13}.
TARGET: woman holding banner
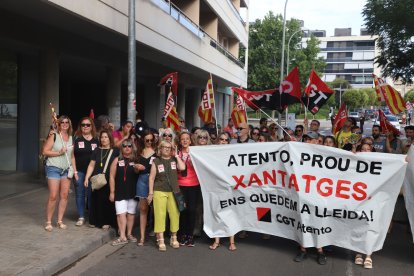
{"x":224,"y":139}
{"x":190,"y":187}
{"x":162,"y":186}
{"x":58,"y":150}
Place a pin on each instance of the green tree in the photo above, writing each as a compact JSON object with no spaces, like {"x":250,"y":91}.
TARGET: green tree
{"x":393,"y":22}
{"x":338,"y":84}
{"x":307,"y":59}
{"x":409,"y":96}
{"x":354,"y":98}
{"x":265,"y":45}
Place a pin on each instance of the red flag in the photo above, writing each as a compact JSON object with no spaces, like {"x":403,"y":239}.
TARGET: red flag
{"x":172,"y":81}
{"x":91,"y":115}
{"x":386,"y":125}
{"x":340,"y":119}
{"x":206,"y":107}
{"x":388,"y":94}
{"x":256,"y":99}
{"x":290,"y":87}
{"x":316,"y":84}
{"x":317,"y":93}
{"x":170,"y":114}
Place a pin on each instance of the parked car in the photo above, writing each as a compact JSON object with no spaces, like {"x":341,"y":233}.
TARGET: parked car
{"x":354,"y":115}
{"x":392,"y":119}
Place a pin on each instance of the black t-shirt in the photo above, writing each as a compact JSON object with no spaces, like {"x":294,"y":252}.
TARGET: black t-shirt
{"x":83,"y":150}
{"x":99,"y":156}
{"x":146,"y":162}
{"x":125,"y":180}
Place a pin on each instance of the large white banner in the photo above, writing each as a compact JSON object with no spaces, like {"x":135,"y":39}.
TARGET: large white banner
{"x":312,"y":194}
{"x":409,"y":189}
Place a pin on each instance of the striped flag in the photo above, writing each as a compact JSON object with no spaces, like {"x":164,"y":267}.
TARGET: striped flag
{"x":170,"y":114}
{"x":388,"y":94}
{"x":238,"y":114}
{"x":386,"y":125}
{"x":206,"y":108}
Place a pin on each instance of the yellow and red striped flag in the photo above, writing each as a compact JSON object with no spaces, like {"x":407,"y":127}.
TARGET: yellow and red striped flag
{"x":170,"y":114}
{"x":206,"y":108}
{"x":238,"y":114}
{"x":388,"y":94}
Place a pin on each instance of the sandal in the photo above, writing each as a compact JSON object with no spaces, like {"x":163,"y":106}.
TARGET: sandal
{"x":106,"y":227}
{"x":174,"y":243}
{"x":80,"y":222}
{"x":131,"y":238}
{"x":141,"y":242}
{"x":368,"y":263}
{"x":61,"y":225}
{"x":214,"y":246}
{"x":232,"y":247}
{"x":119,"y":242}
{"x":358,"y":259}
{"x":161,"y":245}
{"x":48,"y":226}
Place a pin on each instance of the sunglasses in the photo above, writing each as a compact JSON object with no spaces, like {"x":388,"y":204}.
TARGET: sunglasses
{"x":64,"y":122}
{"x":241,"y":128}
{"x":202,"y":137}
{"x":167,"y":135}
{"x":149,"y":140}
{"x":224,"y":139}
{"x":85,"y":125}
{"x":127,"y":145}
{"x":255,"y":133}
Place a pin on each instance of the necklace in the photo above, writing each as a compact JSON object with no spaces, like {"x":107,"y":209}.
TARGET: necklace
{"x":102,"y":158}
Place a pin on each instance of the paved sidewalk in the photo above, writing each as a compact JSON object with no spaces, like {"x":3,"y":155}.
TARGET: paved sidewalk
{"x":26,"y":248}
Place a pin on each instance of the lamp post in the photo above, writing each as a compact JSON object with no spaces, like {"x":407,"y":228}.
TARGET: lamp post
{"x":131,"y":61}
{"x":282,"y":66}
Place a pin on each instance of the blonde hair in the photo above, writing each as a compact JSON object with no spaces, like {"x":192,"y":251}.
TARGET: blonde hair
{"x":59,"y":121}
{"x":203,"y":132}
{"x":163,"y":143}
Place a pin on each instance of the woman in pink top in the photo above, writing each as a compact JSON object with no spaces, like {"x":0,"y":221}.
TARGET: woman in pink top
{"x":190,"y":187}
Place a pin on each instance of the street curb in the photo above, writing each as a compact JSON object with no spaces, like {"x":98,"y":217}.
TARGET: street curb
{"x":56,"y":265}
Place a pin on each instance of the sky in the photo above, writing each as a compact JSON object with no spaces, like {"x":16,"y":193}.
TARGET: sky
{"x":317,"y":14}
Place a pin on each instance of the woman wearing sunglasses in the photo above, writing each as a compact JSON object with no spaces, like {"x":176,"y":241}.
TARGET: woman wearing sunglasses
{"x":85,"y":143}
{"x":167,"y":134}
{"x":122,"y":183}
{"x":102,"y":211}
{"x":145,"y":159}
{"x":58,"y":150}
{"x":190,"y":187}
{"x":224,"y":139}
{"x":162,"y":184}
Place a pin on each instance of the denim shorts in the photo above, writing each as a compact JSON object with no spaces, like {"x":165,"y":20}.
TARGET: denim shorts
{"x":55,"y":172}
{"x":143,"y":185}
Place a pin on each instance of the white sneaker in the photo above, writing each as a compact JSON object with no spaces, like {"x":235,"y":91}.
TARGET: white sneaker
{"x":80,"y":222}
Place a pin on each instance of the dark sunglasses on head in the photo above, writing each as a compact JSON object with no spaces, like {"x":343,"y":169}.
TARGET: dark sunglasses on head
{"x":85,"y":125}
{"x":149,"y":140}
{"x":167,"y":135}
{"x":127,"y":145}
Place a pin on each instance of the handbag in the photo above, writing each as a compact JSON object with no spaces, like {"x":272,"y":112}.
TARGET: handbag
{"x":178,"y":196}
{"x":99,"y":180}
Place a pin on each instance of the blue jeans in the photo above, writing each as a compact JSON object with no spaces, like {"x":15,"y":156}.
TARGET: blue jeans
{"x":81,"y":193}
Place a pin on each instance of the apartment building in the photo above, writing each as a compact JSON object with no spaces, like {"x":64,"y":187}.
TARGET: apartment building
{"x":75,"y":55}
{"x":348,"y":56}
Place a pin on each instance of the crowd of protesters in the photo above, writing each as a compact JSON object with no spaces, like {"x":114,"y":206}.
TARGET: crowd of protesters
{"x":146,"y":168}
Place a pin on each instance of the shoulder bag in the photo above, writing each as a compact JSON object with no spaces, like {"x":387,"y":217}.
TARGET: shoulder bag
{"x":99,"y":180}
{"x":178,"y":196}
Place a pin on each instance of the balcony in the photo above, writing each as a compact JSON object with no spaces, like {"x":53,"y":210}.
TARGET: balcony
{"x":180,"y":17}
{"x":348,"y":71}
{"x":236,"y":12}
{"x":347,"y":49}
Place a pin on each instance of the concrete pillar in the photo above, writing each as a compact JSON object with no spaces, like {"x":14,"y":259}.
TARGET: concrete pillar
{"x":49,"y":88}
{"x":195,"y":102}
{"x":28,"y":149}
{"x":226,"y":109}
{"x":153,"y":105}
{"x":113,"y":95}
{"x":180,"y":104}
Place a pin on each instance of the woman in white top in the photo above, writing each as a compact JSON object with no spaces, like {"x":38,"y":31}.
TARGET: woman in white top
{"x":58,"y":150}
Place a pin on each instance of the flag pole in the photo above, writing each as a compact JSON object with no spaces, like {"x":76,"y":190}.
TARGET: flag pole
{"x":214,"y":101}
{"x":267,"y":115}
